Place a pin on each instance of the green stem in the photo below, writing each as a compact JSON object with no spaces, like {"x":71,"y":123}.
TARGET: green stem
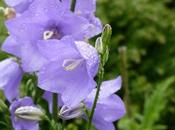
{"x":55,"y":106}
{"x":124,"y":74}
{"x":73,"y":4}
{"x":99,"y":82}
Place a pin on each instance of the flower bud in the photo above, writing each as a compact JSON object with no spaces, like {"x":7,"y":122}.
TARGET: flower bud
{"x":99,"y":45}
{"x":3,"y":106}
{"x":9,"y":13}
{"x":106,"y":34}
{"x":70,"y":113}
{"x":29,"y":113}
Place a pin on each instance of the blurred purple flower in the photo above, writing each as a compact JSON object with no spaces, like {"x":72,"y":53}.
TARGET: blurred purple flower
{"x":43,"y":22}
{"x":109,"y":106}
{"x":10,"y":78}
{"x":71,"y":71}
{"x":19,"y":5}
{"x":18,"y":123}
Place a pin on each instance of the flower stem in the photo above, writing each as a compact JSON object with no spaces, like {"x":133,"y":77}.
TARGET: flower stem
{"x":55,"y":106}
{"x":99,"y":82}
{"x":73,"y":4}
{"x":124,"y":73}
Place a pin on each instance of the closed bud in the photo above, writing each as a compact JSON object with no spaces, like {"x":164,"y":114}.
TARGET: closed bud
{"x":99,"y":45}
{"x":70,"y":113}
{"x":106,"y":34}
{"x":29,"y":113}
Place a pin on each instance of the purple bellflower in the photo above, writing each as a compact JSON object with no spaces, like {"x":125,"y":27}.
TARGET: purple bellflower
{"x":44,"y":23}
{"x":10,"y":78}
{"x":86,"y":9}
{"x":109,"y":106}
{"x":71,"y":71}
{"x":19,"y":114}
{"x":19,"y":5}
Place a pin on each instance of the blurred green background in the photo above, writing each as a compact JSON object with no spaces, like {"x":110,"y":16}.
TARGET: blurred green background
{"x":144,"y":32}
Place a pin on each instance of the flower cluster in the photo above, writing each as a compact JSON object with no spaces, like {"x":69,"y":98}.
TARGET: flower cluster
{"x":49,"y":39}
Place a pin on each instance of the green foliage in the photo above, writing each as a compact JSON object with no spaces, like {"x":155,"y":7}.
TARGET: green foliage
{"x":147,"y":29}
{"x":154,"y":105}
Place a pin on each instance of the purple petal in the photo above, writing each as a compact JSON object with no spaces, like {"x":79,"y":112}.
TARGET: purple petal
{"x":10,"y":78}
{"x":74,"y":25}
{"x":89,"y":53}
{"x":20,"y":124}
{"x":107,"y":88}
{"x":12,"y":46}
{"x":19,"y":5}
{"x":110,"y":109}
{"x":73,"y":85}
{"x":58,"y":49}
{"x":24,"y":25}
{"x":32,"y":60}
{"x":101,"y":124}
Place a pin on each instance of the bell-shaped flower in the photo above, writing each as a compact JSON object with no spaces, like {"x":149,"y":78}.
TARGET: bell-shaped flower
{"x":19,"y":5}
{"x":109,"y":107}
{"x":70,"y":71}
{"x":42,"y":22}
{"x":10,"y":78}
{"x":86,"y":9}
{"x":25,"y":115}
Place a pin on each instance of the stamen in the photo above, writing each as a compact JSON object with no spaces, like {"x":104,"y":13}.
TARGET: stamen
{"x":48,"y":35}
{"x":71,"y":64}
{"x":51,"y":34}
{"x":70,"y":113}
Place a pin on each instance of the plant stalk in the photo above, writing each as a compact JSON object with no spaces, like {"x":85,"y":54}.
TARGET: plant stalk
{"x":55,"y":106}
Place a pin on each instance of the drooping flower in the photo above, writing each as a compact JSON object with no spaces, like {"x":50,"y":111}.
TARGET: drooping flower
{"x":43,"y":22}
{"x":109,"y":106}
{"x":71,"y":71}
{"x":19,"y":5}
{"x":22,"y":114}
{"x":10,"y":78}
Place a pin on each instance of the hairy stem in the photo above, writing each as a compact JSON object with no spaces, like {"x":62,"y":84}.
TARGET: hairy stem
{"x":100,"y":79}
